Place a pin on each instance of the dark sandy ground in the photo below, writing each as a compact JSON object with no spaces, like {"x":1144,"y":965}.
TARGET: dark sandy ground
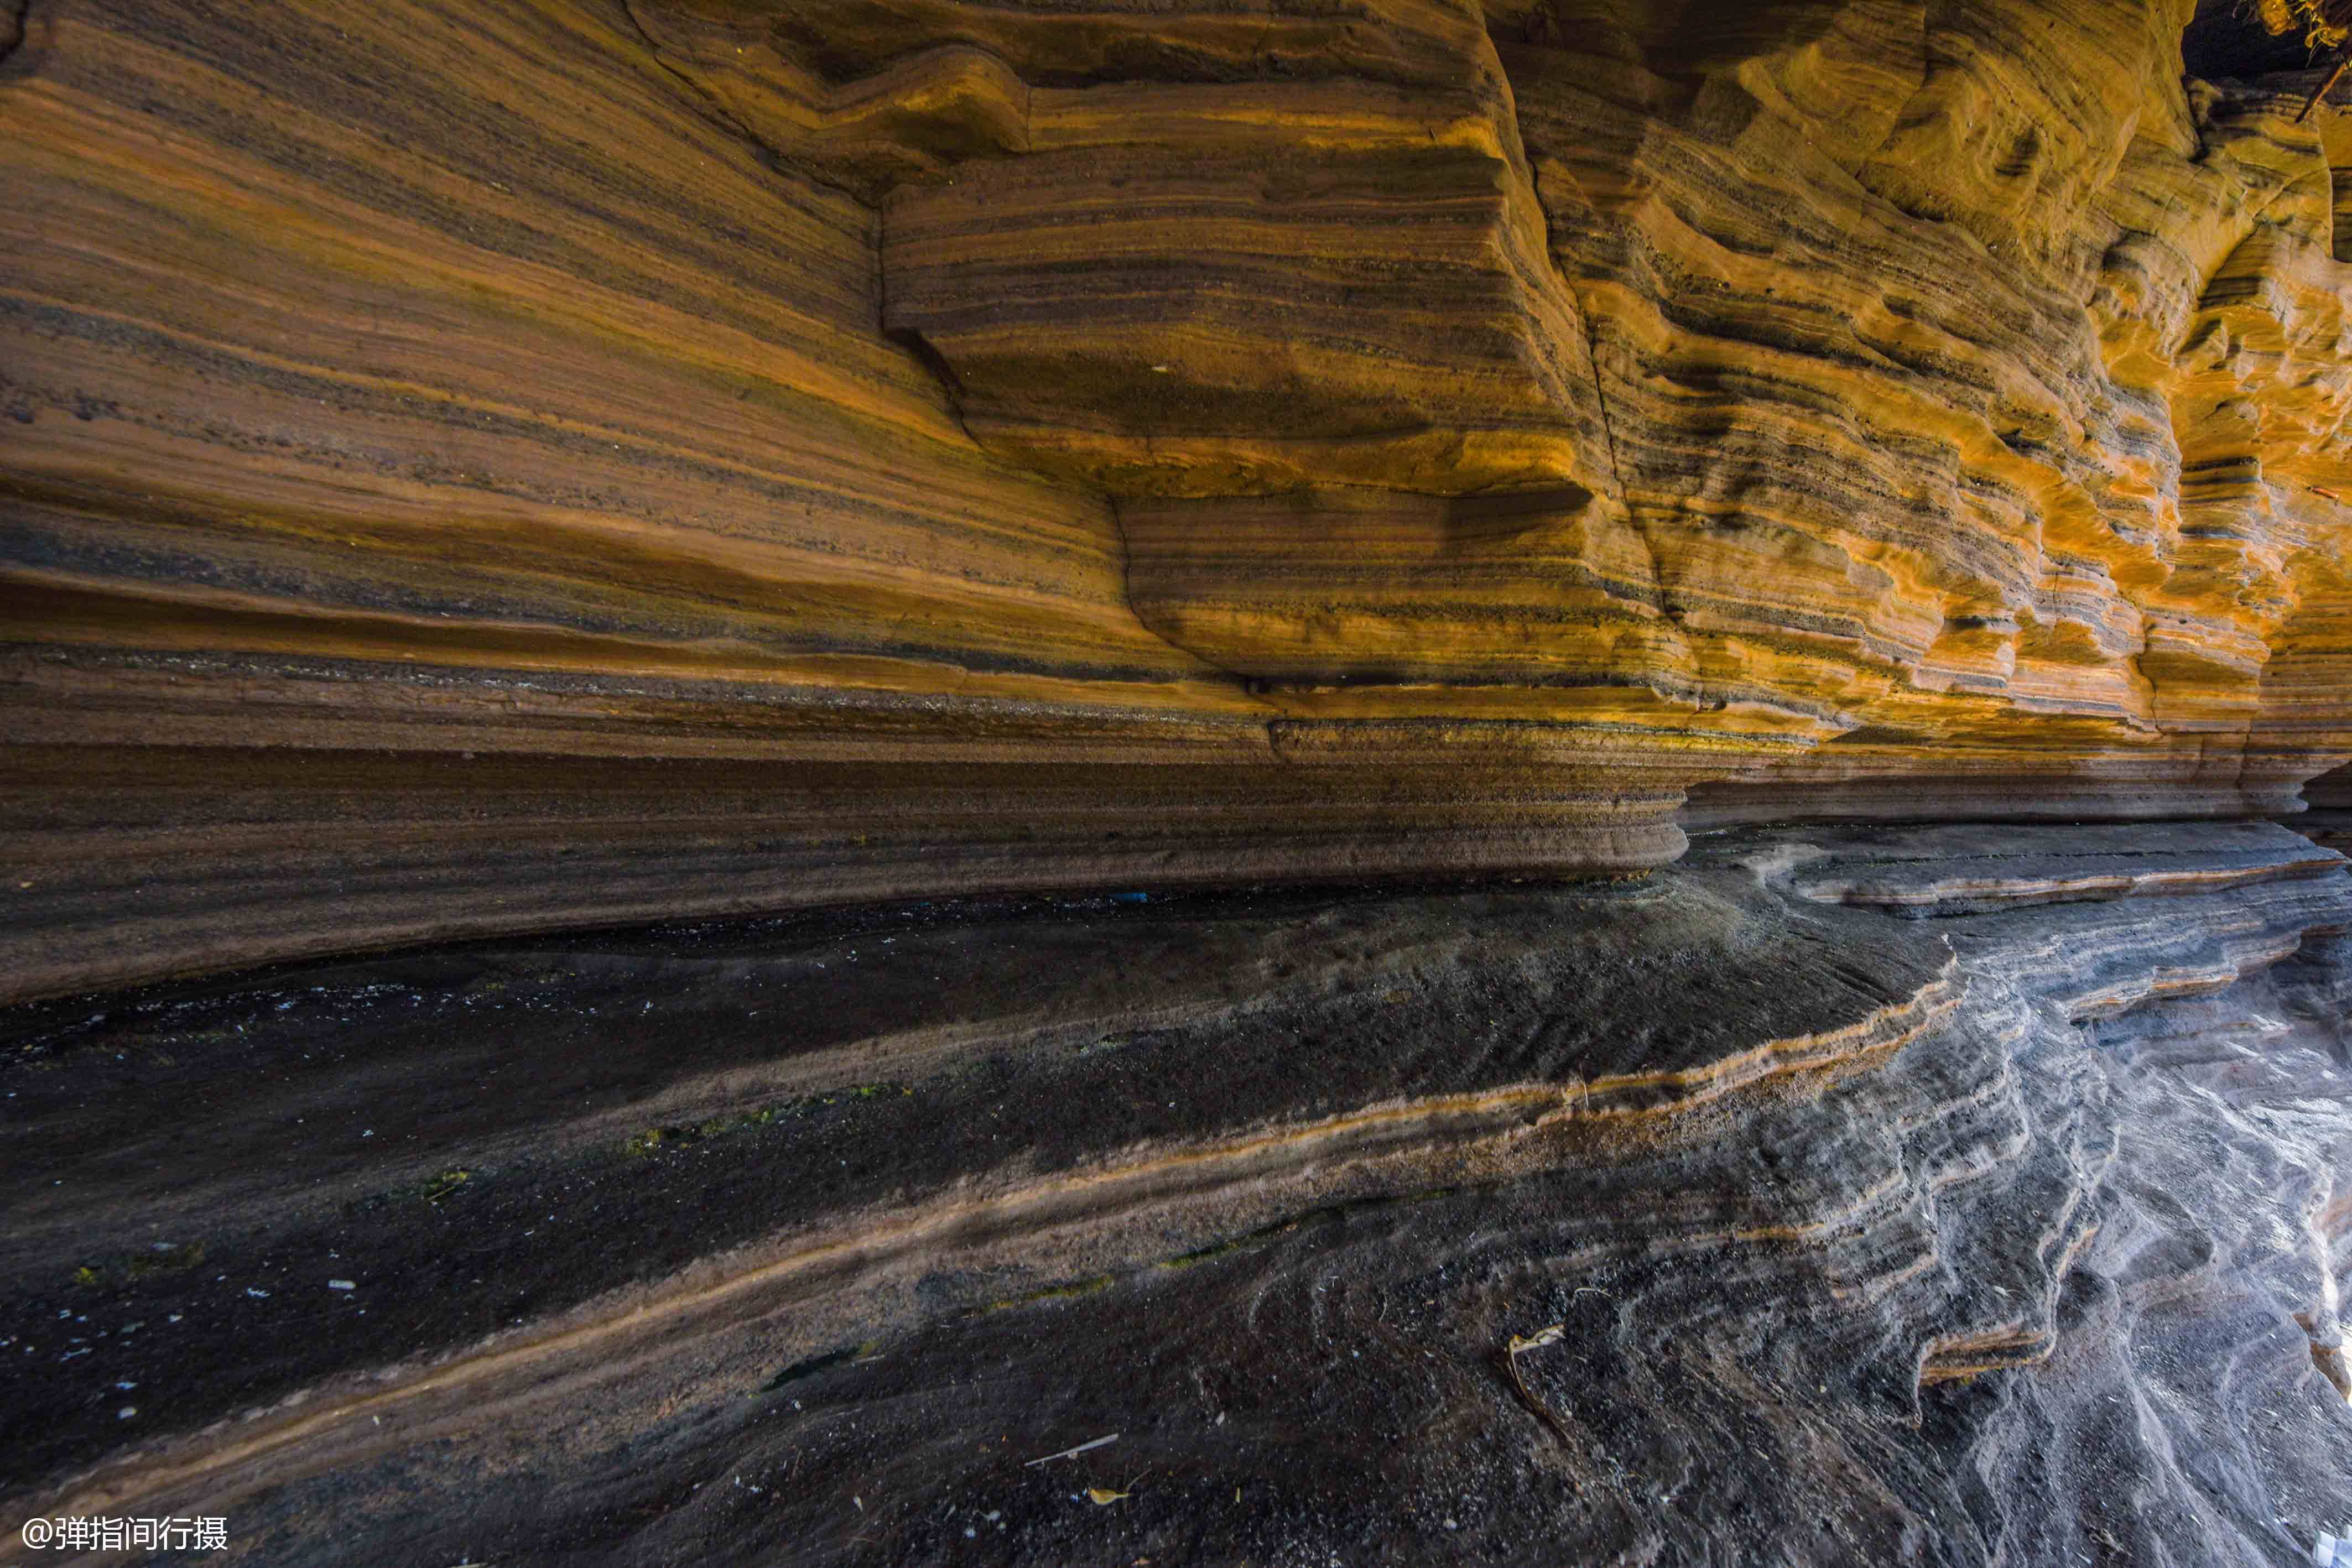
{"x":1896,"y":1195}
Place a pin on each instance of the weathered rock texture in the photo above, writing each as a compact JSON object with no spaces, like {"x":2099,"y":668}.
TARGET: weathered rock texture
{"x":1869,"y":1195}
{"x":469,"y":467}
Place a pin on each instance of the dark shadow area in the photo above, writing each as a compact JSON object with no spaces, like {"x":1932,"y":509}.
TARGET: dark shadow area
{"x":2227,"y":41}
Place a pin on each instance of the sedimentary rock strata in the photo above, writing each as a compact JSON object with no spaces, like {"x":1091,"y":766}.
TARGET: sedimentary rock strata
{"x":1287,"y":781}
{"x":992,"y":448}
{"x":2002,"y":1225}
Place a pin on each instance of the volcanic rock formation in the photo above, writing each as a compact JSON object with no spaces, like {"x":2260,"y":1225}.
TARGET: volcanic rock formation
{"x":1271,"y":781}
{"x":1867,"y":1196}
{"x":470,"y":468}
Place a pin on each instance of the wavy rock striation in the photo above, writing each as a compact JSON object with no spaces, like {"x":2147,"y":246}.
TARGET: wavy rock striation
{"x":1771,"y":561}
{"x":1933,"y":1196}
{"x":665,"y":456}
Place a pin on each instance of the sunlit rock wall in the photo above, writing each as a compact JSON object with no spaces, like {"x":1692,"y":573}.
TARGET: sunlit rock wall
{"x":476,"y":467}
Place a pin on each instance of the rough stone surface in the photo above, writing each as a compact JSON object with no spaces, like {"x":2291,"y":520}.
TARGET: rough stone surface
{"x":1998,"y":1222}
{"x":1147,"y":782}
{"x":693,"y":456}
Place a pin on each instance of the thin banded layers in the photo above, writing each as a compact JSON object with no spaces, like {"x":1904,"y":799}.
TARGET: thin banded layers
{"x":1137,"y":444}
{"x":1904,"y":1187}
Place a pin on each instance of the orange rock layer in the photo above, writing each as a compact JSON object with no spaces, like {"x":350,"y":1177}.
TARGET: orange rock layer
{"x":469,"y":467}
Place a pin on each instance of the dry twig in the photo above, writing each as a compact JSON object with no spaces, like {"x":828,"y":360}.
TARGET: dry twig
{"x":1511,"y":1353}
{"x":1070,"y":1453}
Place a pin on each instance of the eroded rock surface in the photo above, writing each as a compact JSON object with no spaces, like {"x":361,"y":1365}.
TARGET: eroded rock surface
{"x":1678,"y":621}
{"x":1895,"y":1195}
{"x":697,"y":456}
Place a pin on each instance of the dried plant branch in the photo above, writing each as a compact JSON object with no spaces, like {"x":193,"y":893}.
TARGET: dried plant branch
{"x":1511,"y":1353}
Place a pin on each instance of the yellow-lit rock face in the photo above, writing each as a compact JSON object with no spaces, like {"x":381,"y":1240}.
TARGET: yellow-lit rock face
{"x":1818,"y":362}
{"x":716,"y":454}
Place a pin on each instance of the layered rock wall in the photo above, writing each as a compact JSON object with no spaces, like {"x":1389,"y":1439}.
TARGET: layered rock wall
{"x":690,"y":455}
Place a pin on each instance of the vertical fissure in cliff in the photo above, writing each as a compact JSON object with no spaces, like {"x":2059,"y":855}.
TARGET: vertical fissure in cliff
{"x":1601,"y":403}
